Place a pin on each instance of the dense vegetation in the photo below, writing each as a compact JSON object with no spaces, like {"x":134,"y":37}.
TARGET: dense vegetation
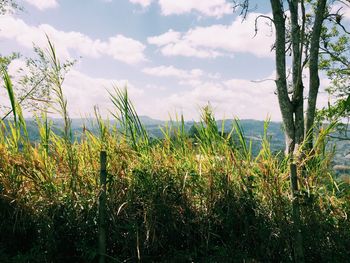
{"x":253,"y":131}
{"x":175,"y":199}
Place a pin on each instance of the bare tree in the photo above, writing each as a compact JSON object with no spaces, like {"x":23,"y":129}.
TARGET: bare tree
{"x":292,"y":107}
{"x":297,"y":34}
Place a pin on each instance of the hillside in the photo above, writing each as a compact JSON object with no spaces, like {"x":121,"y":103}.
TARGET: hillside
{"x":253,"y":131}
{"x":212,"y":197}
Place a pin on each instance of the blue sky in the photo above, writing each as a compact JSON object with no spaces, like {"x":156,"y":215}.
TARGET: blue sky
{"x":174,"y":56}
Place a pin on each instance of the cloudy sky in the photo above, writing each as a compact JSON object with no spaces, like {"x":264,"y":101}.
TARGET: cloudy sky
{"x":174,"y":56}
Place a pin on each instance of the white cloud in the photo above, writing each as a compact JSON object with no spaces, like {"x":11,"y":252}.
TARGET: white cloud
{"x":17,"y":68}
{"x":346,"y":12}
{"x":169,"y":37}
{"x":43,"y":4}
{"x":82,"y":91}
{"x":211,"y":8}
{"x":235,"y":97}
{"x":119,"y":47}
{"x":125,"y":49}
{"x":214,"y":8}
{"x":216,"y":40}
{"x":143,"y":3}
{"x":229,"y":98}
{"x":171,"y":71}
{"x":241,"y":98}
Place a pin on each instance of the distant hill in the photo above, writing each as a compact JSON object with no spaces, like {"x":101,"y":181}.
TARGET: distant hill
{"x":253,"y":131}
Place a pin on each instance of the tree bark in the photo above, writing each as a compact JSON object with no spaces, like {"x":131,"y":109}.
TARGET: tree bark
{"x":297,"y":233}
{"x":297,"y":38}
{"x":314,"y":83}
{"x":285,"y":104}
{"x":292,"y":111}
{"x":292,"y":105}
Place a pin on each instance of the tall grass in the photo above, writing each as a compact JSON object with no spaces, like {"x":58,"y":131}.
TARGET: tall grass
{"x":127,"y":117}
{"x":183,"y":198}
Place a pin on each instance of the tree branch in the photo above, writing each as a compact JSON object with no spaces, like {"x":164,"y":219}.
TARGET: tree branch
{"x":25,"y":97}
{"x":256,"y":22}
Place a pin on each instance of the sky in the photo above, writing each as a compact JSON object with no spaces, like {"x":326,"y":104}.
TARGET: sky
{"x":173,"y":56}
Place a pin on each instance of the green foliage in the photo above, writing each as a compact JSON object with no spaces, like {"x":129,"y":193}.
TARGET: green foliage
{"x":10,"y":92}
{"x":335,"y":61}
{"x":127,"y":117}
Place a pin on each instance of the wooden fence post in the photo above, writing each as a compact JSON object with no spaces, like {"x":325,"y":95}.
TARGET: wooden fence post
{"x":102,"y":209}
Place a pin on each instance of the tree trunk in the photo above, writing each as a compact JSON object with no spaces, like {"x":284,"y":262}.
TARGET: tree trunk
{"x":297,"y":39}
{"x":297,"y":233}
{"x":292,"y":111}
{"x":313,"y":70}
{"x":285,"y":104}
